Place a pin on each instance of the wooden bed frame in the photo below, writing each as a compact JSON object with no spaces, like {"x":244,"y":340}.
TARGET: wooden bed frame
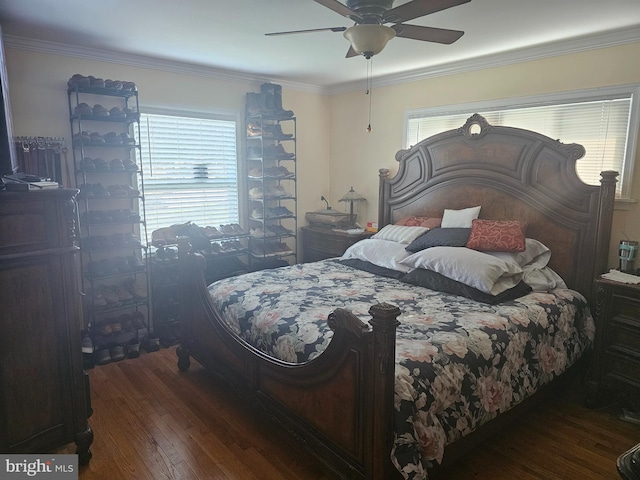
{"x":340,"y":405}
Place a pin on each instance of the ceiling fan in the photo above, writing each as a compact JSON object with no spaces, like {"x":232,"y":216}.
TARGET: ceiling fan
{"x":369,"y":35}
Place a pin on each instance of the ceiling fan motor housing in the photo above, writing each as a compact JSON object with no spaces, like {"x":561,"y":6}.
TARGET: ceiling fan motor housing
{"x":371,"y":8}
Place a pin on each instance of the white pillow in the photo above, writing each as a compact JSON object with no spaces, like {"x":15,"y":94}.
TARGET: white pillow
{"x":542,"y":279}
{"x":536,"y":254}
{"x":383,"y":253}
{"x":476,"y":269}
{"x":400,"y":233}
{"x":459,"y":218}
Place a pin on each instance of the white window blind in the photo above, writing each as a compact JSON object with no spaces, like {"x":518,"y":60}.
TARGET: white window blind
{"x":191,"y":170}
{"x":602,"y":126}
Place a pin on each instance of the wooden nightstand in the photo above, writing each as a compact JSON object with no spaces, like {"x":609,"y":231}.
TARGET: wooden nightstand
{"x":319,"y":243}
{"x":615,"y":373}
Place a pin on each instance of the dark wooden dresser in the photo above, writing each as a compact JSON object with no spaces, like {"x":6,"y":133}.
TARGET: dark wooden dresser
{"x":319,"y":243}
{"x":616,"y":361}
{"x":43,"y":388}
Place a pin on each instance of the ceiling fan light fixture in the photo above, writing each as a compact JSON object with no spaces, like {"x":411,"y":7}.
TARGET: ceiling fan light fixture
{"x":367,"y":39}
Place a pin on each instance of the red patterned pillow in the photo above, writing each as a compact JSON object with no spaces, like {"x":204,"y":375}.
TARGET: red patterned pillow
{"x":497,"y":236}
{"x":428,"y":222}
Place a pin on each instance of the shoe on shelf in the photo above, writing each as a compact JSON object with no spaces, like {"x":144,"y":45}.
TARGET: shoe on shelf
{"x":255,"y":193}
{"x":101,"y":165}
{"x":151,"y":343}
{"x":78,"y":80}
{"x":131,"y":239}
{"x":116,"y":165}
{"x":116,"y":352}
{"x":130,"y":191}
{"x":132,"y":348}
{"x":275,"y":131}
{"x":138,"y":320}
{"x":103,"y":356}
{"x":96,"y":82}
{"x":134,"y":263}
{"x":126,"y":291}
{"x":283,"y":248}
{"x":87,"y":164}
{"x":277,"y":191}
{"x":125,"y":139}
{"x":273,"y":99}
{"x":87,"y":344}
{"x":104,"y":328}
{"x":212,"y":232}
{"x":100,"y":111}
{"x":237,"y":229}
{"x":116,"y":326}
{"x":170,"y":253}
{"x":282,"y":211}
{"x":257,"y":232}
{"x":129,"y":86}
{"x":129,"y":165}
{"x":83,"y":109}
{"x":100,"y":191}
{"x":113,"y":84}
{"x":126,"y":322}
{"x":110,"y":295}
{"x":97,"y":298}
{"x":121,"y":264}
{"x":96,"y":138}
{"x":115,"y":112}
{"x":253,"y":129}
{"x":255,"y":172}
{"x":112,"y":138}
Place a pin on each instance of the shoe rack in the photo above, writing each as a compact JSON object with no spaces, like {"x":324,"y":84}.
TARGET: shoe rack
{"x":270,"y":152}
{"x":225,"y":249}
{"x":103,"y":115}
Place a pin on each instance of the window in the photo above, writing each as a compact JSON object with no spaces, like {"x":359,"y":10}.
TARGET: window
{"x":191,"y":169}
{"x":604,"y":121}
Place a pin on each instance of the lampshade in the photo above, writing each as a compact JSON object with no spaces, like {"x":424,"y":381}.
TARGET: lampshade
{"x":369,"y":40}
{"x":352,"y":196}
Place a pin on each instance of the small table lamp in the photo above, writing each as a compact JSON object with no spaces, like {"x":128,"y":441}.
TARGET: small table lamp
{"x":352,"y":197}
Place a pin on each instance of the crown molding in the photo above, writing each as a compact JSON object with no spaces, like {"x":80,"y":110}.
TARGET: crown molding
{"x":552,"y":49}
{"x":119,"y":58}
{"x":604,"y":40}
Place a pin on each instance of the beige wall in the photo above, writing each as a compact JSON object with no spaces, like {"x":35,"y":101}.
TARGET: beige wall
{"x":334,"y":150}
{"x":356,"y":156}
{"x":39,"y":104}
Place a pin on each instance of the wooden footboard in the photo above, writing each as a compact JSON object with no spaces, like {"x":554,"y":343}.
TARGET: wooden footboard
{"x":338,"y":405}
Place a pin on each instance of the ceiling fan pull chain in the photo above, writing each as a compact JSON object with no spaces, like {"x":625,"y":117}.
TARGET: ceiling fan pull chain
{"x":369,"y":88}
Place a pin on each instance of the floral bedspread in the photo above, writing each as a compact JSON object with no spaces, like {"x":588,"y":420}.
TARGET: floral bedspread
{"x":459,"y":363}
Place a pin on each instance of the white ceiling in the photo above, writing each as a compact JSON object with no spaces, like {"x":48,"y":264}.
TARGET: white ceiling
{"x":229,"y":35}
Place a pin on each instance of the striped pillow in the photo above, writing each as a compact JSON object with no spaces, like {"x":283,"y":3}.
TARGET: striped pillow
{"x":401,"y":234}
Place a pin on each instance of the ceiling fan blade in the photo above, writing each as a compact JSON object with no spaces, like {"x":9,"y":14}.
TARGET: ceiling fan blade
{"x":418,"y":8}
{"x":340,"y":8}
{"x":351,"y":53}
{"x":332,"y":29}
{"x":427,"y":34}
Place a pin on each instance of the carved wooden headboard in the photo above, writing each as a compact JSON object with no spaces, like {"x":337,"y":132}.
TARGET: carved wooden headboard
{"x":514,"y":174}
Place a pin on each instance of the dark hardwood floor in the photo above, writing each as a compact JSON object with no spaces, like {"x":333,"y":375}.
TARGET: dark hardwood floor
{"x":152,"y":422}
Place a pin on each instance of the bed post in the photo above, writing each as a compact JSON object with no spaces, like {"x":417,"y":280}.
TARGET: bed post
{"x":606,"y":201}
{"x":383,"y":194}
{"x":384,"y":323}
